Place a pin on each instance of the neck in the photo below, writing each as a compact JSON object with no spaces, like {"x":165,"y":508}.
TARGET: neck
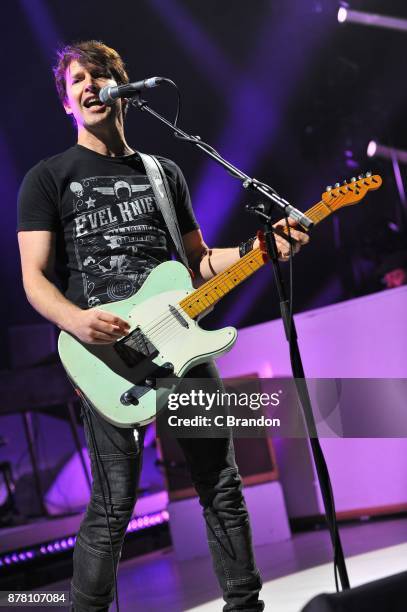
{"x":111,"y":142}
{"x":210,"y":292}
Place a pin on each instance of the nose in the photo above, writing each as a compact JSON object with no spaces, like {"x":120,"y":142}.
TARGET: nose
{"x":91,"y":86}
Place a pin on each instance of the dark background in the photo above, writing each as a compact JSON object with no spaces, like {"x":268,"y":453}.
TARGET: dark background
{"x":278,"y":86}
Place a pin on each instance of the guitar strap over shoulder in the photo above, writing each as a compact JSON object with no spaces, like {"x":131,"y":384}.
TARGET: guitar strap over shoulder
{"x":161,"y":189}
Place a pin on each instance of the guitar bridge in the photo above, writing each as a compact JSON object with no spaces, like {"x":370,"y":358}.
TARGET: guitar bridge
{"x":135,"y":347}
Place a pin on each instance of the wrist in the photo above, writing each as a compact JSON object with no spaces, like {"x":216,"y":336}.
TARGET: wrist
{"x":70,"y":318}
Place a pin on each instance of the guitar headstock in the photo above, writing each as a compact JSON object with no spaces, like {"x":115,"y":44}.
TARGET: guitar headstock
{"x":351,"y":192}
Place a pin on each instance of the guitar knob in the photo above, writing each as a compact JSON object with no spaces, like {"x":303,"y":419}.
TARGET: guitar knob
{"x":329,"y":188}
{"x":360,"y":177}
{"x":353,"y":179}
{"x":345,"y":183}
{"x":337,"y":184}
{"x":368,"y":174}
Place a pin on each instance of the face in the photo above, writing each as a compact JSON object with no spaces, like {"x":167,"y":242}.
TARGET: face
{"x":82,"y":90}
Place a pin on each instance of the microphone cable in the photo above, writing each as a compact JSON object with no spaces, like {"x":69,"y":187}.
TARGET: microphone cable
{"x":99,"y":467}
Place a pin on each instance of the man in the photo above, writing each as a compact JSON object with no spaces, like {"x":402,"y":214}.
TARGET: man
{"x":92,"y":209}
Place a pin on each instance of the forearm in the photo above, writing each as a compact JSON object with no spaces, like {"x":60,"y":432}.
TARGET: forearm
{"x":215,"y":261}
{"x":46,"y":298}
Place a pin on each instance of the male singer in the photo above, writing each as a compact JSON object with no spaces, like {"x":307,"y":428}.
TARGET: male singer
{"x":92,"y":211}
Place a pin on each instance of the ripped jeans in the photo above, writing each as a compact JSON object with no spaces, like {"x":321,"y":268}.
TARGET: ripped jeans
{"x":215,"y":476}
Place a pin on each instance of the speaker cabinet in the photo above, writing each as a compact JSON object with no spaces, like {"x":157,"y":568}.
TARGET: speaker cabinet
{"x":255,"y":458}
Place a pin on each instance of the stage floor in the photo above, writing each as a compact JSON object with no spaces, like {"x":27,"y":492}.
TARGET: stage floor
{"x":293,"y":571}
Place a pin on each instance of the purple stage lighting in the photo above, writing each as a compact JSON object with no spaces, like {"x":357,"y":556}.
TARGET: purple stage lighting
{"x":374,"y":149}
{"x":42,"y":26}
{"x":258,"y":107}
{"x":371,"y":19}
{"x":209,"y":59}
{"x":342,"y":14}
{"x":371,"y":148}
{"x":62,"y":545}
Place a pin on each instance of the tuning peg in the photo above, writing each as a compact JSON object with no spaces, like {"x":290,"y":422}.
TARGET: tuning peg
{"x":345,"y":182}
{"x":329,"y":188}
{"x":353,"y":179}
{"x":368,"y":174}
{"x":337,"y":184}
{"x":360,"y":177}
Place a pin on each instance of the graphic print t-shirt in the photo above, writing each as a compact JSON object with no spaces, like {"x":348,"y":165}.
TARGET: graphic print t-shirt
{"x":110,"y":231}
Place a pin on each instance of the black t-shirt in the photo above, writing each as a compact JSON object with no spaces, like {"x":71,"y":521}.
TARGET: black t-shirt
{"x":110,"y":231}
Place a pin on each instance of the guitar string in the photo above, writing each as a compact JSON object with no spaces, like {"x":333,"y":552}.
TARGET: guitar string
{"x":161,"y":319}
{"x":169,"y":329}
{"x":320,"y":207}
{"x":222,"y":283}
{"x":223,"y":289}
{"x":166,"y":321}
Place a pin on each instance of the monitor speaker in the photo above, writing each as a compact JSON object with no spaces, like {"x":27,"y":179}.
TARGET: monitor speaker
{"x":385,"y":595}
{"x":255,"y":458}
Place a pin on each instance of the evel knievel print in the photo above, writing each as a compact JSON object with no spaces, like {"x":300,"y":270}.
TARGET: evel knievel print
{"x":115,"y":219}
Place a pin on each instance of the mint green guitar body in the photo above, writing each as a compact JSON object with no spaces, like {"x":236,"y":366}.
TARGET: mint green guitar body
{"x":103,"y":376}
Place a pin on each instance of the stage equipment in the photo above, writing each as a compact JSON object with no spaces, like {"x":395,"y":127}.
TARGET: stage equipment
{"x":108,"y":95}
{"x":385,"y":595}
{"x":397,"y":157}
{"x":247,"y":182}
{"x":32,"y":396}
{"x":8,"y":509}
{"x":371,"y":19}
{"x":255,"y":458}
{"x":10,"y":557}
{"x":374,"y":149}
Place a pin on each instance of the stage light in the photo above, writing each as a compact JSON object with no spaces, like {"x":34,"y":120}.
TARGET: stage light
{"x":64,"y":544}
{"x":374,"y":149}
{"x":342,"y":14}
{"x":371,"y":148}
{"x":371,"y":19}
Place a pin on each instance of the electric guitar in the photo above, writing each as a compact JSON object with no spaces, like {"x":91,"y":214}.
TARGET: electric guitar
{"x":165,"y":340}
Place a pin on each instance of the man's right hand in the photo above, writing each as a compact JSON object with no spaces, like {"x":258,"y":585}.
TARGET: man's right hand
{"x":95,"y":326}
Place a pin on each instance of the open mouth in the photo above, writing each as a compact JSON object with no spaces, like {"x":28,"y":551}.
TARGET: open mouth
{"x":90,"y":102}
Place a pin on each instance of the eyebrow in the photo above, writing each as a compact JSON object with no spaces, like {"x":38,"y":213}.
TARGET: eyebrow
{"x":76,"y":73}
{"x":94,"y":70}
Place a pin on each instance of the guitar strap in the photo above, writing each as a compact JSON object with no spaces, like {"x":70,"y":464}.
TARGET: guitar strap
{"x":161,"y":189}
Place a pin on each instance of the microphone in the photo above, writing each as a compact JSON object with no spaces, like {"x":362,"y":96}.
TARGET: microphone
{"x":108,"y":95}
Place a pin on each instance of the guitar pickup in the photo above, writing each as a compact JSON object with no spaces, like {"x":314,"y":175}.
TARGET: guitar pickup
{"x":135,"y":347}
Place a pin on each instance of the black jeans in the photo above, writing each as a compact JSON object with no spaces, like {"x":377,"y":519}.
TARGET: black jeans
{"x":215,"y":476}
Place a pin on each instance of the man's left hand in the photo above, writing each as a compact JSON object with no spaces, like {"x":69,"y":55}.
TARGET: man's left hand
{"x":298,"y":238}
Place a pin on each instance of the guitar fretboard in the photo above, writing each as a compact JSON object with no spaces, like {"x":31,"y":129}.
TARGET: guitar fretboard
{"x":215,"y":288}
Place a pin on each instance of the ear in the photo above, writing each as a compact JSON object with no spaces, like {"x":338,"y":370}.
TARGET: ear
{"x":67,"y":108}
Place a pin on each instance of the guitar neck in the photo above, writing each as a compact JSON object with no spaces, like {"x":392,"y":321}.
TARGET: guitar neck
{"x":215,"y":288}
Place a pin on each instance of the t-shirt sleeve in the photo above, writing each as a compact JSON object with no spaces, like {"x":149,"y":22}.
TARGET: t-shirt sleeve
{"x":37,"y":202}
{"x":182,"y":200}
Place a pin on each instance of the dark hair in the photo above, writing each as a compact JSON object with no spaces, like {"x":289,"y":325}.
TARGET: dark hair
{"x":88,"y":53}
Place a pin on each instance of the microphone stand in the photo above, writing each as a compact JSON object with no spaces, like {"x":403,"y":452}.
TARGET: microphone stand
{"x":247,"y":181}
{"x":288,"y":321}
